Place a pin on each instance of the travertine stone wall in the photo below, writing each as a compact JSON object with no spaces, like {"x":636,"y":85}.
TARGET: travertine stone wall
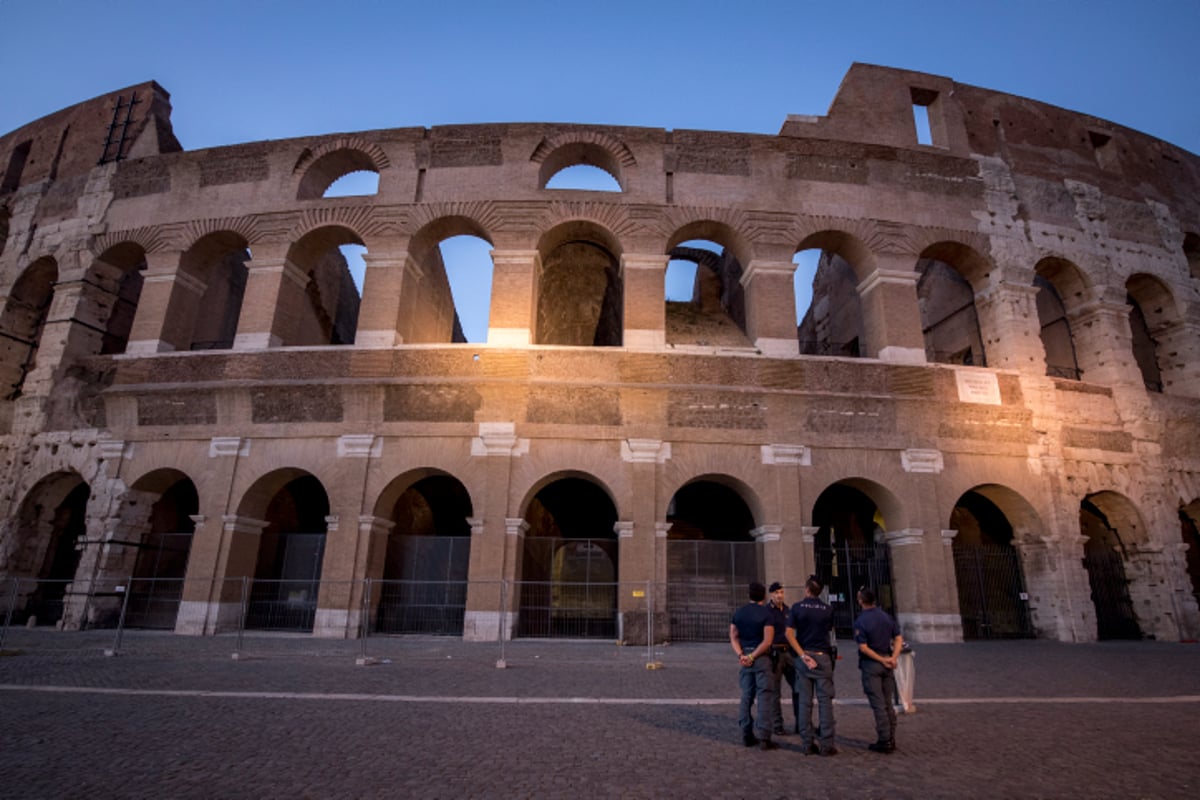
{"x":249,"y":357}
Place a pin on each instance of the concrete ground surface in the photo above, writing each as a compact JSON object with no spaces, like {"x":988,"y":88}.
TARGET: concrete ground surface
{"x":294,"y":717}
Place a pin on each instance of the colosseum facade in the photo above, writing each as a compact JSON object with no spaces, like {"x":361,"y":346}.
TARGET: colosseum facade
{"x":990,"y":412}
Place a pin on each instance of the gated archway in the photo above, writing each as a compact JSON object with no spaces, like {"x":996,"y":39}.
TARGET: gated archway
{"x":287,"y":577}
{"x":1102,"y":517}
{"x":163,"y":545}
{"x":711,"y":558}
{"x":992,"y":598}
{"x":568,"y":580}
{"x":424,"y":587}
{"x":850,"y":552}
{"x":1190,"y":531}
{"x":44,"y":549}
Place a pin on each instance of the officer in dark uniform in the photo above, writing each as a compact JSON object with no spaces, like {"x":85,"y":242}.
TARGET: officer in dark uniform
{"x":879,"y":644}
{"x":750,"y":635}
{"x":808,"y":632}
{"x":783,"y":672}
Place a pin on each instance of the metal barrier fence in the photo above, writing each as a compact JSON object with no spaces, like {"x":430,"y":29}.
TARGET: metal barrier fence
{"x":253,"y":617}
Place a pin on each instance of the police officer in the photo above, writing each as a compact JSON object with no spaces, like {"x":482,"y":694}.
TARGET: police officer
{"x":879,"y":643}
{"x":750,"y":635}
{"x":810,"y":624}
{"x":782,"y":664}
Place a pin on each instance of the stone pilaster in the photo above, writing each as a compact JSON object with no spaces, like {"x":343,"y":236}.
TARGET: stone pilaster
{"x":643,"y":279}
{"x":771,"y":307}
{"x":513,"y":313}
{"x":166,"y":312}
{"x":891,"y":314}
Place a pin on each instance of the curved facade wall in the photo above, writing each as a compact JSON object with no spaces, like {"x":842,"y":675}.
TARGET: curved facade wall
{"x":1005,"y":336}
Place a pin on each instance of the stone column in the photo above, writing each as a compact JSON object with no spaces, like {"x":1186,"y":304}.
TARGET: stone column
{"x":1057,"y":583}
{"x":1011,"y":329}
{"x":1158,"y":593}
{"x":166,"y":311}
{"x":891,"y":313}
{"x":924,"y":616}
{"x":639,"y":554}
{"x":275,"y":296}
{"x":771,"y":307}
{"x":387,"y":263}
{"x":643,"y":280}
{"x":496,"y":546}
{"x":1104,"y":343}
{"x":796,"y":560}
{"x":513,"y":314}
{"x":373,"y":533}
{"x":771,"y":550}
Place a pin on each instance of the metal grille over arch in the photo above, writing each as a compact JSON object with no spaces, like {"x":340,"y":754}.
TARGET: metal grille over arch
{"x":1105,"y":520}
{"x":711,"y":559}
{"x":992,"y":597}
{"x":850,"y":552}
{"x":424,"y":588}
{"x":568,"y":578}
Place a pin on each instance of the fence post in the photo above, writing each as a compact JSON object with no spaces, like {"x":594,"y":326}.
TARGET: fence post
{"x":237,"y":648}
{"x":501,"y":663}
{"x":116,"y":648}
{"x":364,"y":627}
{"x":12,"y":601}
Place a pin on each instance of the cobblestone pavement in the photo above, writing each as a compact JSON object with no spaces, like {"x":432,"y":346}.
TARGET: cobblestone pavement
{"x":294,"y":717}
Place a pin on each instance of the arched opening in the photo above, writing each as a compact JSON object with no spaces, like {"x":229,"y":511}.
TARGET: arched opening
{"x":992,"y":599}
{"x":1189,"y":529}
{"x":949,"y":320}
{"x":850,"y":551}
{"x":157,"y":517}
{"x":5,"y":216}
{"x":328,"y":312}
{"x":291,"y":548}
{"x":579,"y":292}
{"x":360,"y":183}
{"x":424,"y":587}
{"x":51,"y":523}
{"x":1191,"y":251}
{"x":711,"y":557}
{"x":21,"y":326}
{"x":829,"y":310}
{"x":584,"y":176}
{"x":581,"y":165}
{"x":1107,"y":521}
{"x":218,"y":262}
{"x":1055,"y":327}
{"x":569,"y":562}
{"x":339,"y":173}
{"x":704,"y":296}
{"x":453,"y":299}
{"x":1151,"y":310}
{"x":117,"y":277}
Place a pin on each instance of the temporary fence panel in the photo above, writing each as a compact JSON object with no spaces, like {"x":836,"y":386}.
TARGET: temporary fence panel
{"x":579,"y":598}
{"x":991,"y":593}
{"x":289,"y":603}
{"x":706,"y":582}
{"x":427,"y":592}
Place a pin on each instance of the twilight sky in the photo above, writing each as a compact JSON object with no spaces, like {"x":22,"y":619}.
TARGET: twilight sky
{"x":247,"y":70}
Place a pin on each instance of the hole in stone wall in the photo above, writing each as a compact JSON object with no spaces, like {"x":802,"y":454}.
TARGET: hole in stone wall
{"x":354,"y":184}
{"x":584,"y":176}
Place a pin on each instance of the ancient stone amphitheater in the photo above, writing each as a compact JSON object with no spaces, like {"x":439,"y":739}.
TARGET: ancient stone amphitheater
{"x":990,"y":412}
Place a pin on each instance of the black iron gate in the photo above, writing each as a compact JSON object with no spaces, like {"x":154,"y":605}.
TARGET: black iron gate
{"x":706,"y":583}
{"x":991,"y":593}
{"x":844,"y":569}
{"x":1115,"y":618}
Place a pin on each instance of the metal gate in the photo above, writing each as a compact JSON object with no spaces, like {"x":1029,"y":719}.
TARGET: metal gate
{"x":844,"y":569}
{"x":1115,"y":618}
{"x":157,"y":586}
{"x":570,"y":590}
{"x":991,"y":592}
{"x":706,"y":583}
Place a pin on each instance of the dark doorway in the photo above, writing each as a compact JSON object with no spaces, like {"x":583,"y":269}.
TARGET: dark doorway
{"x":711,"y":559}
{"x":1104,"y":560}
{"x":288,"y":578}
{"x":66,"y":526}
{"x":850,"y":553}
{"x":157,"y":585}
{"x":991,"y":587}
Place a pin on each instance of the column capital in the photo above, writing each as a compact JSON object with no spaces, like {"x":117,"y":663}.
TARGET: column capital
{"x":758,"y":267}
{"x":879,"y":277}
{"x":623,"y":529}
{"x":948,"y":537}
{"x":808,"y":533}
{"x":904,"y":537}
{"x":661,"y":529}
{"x":370,"y":524}
{"x":767,"y":533}
{"x":515,"y":526}
{"x":233,"y":523}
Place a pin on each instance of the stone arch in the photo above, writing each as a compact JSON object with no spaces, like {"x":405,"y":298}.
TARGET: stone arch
{"x":24,"y":316}
{"x":1112,"y":528}
{"x":327,"y":163}
{"x":569,"y":558}
{"x":5,"y":217}
{"x":591,"y":148}
{"x":1062,"y":290}
{"x":426,"y":563}
{"x":725,"y":233}
{"x":156,"y":515}
{"x":216,"y":264}
{"x":989,"y":519}
{"x":289,"y":509}
{"x":115,"y":281}
{"x":327,"y":310}
{"x":42,"y":545}
{"x":717,"y":312}
{"x":712,"y":554}
{"x":1152,"y":316}
{"x":435,"y":314}
{"x":579,"y":296}
{"x":951,"y":273}
{"x":833,"y":324}
{"x":1189,"y":524}
{"x":845,"y":245}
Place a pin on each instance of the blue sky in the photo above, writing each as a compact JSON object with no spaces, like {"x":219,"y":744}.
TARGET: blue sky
{"x":270,"y":69}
